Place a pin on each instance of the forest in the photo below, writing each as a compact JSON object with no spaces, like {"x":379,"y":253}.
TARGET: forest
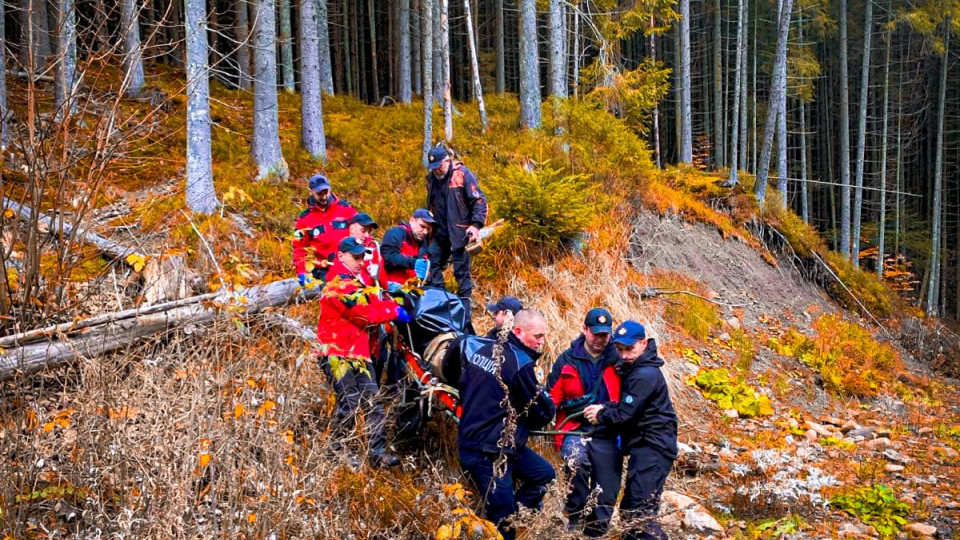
{"x":771,"y":186}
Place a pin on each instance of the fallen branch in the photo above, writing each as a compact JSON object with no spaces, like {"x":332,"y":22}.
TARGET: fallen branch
{"x":654,"y":292}
{"x":111,"y":333}
{"x":50,"y":225}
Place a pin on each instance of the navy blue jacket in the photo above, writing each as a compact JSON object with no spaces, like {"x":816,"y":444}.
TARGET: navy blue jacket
{"x":644,"y":416}
{"x":591,"y":375}
{"x":457,"y":203}
{"x":392,"y":247}
{"x":482,"y":421}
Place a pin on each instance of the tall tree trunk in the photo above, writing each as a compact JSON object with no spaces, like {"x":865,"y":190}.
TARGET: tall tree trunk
{"x":4,"y":112}
{"x":861,"y":135}
{"x":742,"y":161}
{"x":529,"y":66}
{"x":898,"y":174}
{"x":241,"y":33}
{"x":415,"y":41}
{"x":656,"y":107}
{"x":936,"y":234}
{"x":286,"y":47}
{"x":558,"y":62}
{"x":266,"y":128}
{"x":735,"y":129}
{"x":678,"y":92}
{"x":347,"y":51}
{"x":406,"y":85}
{"x":35,"y":33}
{"x":67,"y":62}
{"x":718,"y":101}
{"x":776,"y":88}
{"x":686,"y":117}
{"x":499,"y":47}
{"x":374,"y":72}
{"x":200,"y":194}
{"x":426,"y":17}
{"x":357,"y":68}
{"x":755,"y":146}
{"x":311,"y":86}
{"x":437,"y":54}
{"x":445,"y":68}
{"x":475,"y":65}
{"x":576,"y":54}
{"x":782,"y":132}
{"x":323,"y":46}
{"x":804,"y":191}
{"x":132,"y":50}
{"x":882,"y":229}
{"x":844,"y":137}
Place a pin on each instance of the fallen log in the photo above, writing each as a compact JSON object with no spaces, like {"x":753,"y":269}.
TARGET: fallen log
{"x":49,"y":225}
{"x":116,"y":333}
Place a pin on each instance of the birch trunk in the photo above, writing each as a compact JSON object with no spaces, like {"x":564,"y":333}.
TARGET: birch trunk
{"x":200,"y":194}
{"x":686,"y":117}
{"x":475,"y":65}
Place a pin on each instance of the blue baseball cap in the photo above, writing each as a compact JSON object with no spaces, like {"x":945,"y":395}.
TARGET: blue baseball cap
{"x":435,"y":157}
{"x":629,"y":333}
{"x":599,"y":321}
{"x":350,"y":245}
{"x":425,"y":215}
{"x":507,"y":303}
{"x":364,"y":219}
{"x":319,"y":182}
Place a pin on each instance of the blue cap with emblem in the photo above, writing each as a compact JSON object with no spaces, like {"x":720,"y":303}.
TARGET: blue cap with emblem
{"x":364,"y":219}
{"x":629,"y":332}
{"x":319,"y":182}
{"x":599,"y":321}
{"x":507,"y":303}
{"x":425,"y":215}
{"x":350,"y":245}
{"x":435,"y":157}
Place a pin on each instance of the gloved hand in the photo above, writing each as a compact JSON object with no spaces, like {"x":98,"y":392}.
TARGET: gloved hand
{"x":393,"y":287}
{"x":421,"y":267}
{"x":302,"y":278}
{"x":402,"y":315}
{"x":373,"y":270}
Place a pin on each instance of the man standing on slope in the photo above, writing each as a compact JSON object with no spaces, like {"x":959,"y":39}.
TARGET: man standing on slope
{"x":348,"y":314}
{"x":584,"y":374}
{"x":489,"y":432}
{"x":403,"y":248}
{"x":460,"y":209}
{"x":321,"y":227}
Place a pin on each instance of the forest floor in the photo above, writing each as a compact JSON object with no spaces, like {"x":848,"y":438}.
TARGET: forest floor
{"x":799,"y":417}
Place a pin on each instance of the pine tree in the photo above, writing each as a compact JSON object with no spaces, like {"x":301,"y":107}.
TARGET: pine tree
{"x":266,"y":126}
{"x":475,"y":66}
{"x":686,"y":117}
{"x":936,"y":234}
{"x":735,"y":129}
{"x":200,"y":194}
{"x":426,"y":18}
{"x":311,"y":108}
{"x":844,"y":137}
{"x":763,"y":168}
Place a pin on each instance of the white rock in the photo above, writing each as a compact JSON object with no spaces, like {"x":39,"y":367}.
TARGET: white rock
{"x":694,"y":516}
{"x":922,"y":529}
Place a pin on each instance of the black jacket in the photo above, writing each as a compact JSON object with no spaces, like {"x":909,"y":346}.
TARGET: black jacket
{"x":482,"y":422}
{"x":463,"y":204}
{"x":644,"y":416}
{"x":391,"y":248}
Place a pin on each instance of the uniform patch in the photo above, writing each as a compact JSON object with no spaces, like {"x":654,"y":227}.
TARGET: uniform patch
{"x":628,"y":399}
{"x":305,"y":212}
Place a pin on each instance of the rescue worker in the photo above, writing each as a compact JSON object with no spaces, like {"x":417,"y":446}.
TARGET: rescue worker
{"x":499,"y":310}
{"x":348,"y":314}
{"x":488,"y":430}
{"x":360,"y":227}
{"x":321,"y":227}
{"x":584,"y":374}
{"x":647,"y":424}
{"x":404,"y":248}
{"x":460,"y":209}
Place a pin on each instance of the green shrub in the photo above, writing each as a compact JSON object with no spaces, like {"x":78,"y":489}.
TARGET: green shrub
{"x":876,"y":505}
{"x":727,"y":393}
{"x":544,"y":208}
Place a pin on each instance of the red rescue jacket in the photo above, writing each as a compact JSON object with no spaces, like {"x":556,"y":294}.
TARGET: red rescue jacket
{"x":349,"y":310}
{"x":565,"y":383}
{"x":398,"y":257}
{"x":320,"y":229}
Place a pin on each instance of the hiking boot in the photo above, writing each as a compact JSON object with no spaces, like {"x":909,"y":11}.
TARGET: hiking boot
{"x":384,"y":459}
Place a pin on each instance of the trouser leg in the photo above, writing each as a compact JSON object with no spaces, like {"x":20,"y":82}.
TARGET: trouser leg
{"x":461,"y":272}
{"x":606,"y":466}
{"x":578,"y":469}
{"x":348,"y":400}
{"x":533,"y":474}
{"x":373,"y":414}
{"x":439,"y":253}
{"x":496,"y":494}
{"x":646,"y":476}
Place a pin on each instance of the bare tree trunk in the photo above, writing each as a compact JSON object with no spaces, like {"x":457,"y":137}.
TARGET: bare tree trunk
{"x":286,"y":47}
{"x":576,"y":56}
{"x":782,"y":134}
{"x":4,"y":112}
{"x":844,"y":137}
{"x":686,"y":117}
{"x":241,"y":33}
{"x":375,"y":74}
{"x":323,"y":46}
{"x":266,"y":126}
{"x":735,"y":129}
{"x":417,"y":54}
{"x":35,"y":33}
{"x":67,"y":61}
{"x":200,"y":194}
{"x":132,"y":49}
{"x":804,"y":195}
{"x":445,"y":70}
{"x":347,"y":60}
{"x":406,"y":85}
{"x":882,"y":229}
{"x":743,"y":93}
{"x":763,"y":169}
{"x":861,"y":135}
{"x":529,"y":66}
{"x":475,"y":65}
{"x":656,"y":107}
{"x":558,"y":62}
{"x":755,"y":147}
{"x":499,"y":46}
{"x":718,"y":101}
{"x":311,"y":107}
{"x":426,"y":17}
{"x":933,"y":289}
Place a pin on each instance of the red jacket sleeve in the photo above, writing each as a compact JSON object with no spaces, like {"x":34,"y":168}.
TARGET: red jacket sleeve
{"x":377,"y":311}
{"x":299,"y":244}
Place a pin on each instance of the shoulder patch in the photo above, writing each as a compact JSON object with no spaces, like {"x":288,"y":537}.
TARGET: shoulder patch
{"x":305,"y":212}
{"x":344,"y":202}
{"x":628,"y":399}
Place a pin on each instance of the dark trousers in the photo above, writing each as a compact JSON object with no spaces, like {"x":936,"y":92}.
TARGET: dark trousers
{"x":646,"y":474}
{"x":527,"y":469}
{"x":440,"y":252}
{"x":357,"y":391}
{"x":595,"y":463}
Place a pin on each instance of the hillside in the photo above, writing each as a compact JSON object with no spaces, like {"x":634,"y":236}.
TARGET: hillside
{"x":794,"y":374}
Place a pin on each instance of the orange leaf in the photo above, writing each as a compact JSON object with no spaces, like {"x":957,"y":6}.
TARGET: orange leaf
{"x":252,"y":518}
{"x":238,"y":410}
{"x":205,"y":459}
{"x":266,"y":407}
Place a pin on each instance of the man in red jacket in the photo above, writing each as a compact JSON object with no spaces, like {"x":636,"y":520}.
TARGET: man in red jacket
{"x":404,"y":250}
{"x":582,"y":375}
{"x":320,"y":227}
{"x":360,"y":227}
{"x":349,"y":310}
